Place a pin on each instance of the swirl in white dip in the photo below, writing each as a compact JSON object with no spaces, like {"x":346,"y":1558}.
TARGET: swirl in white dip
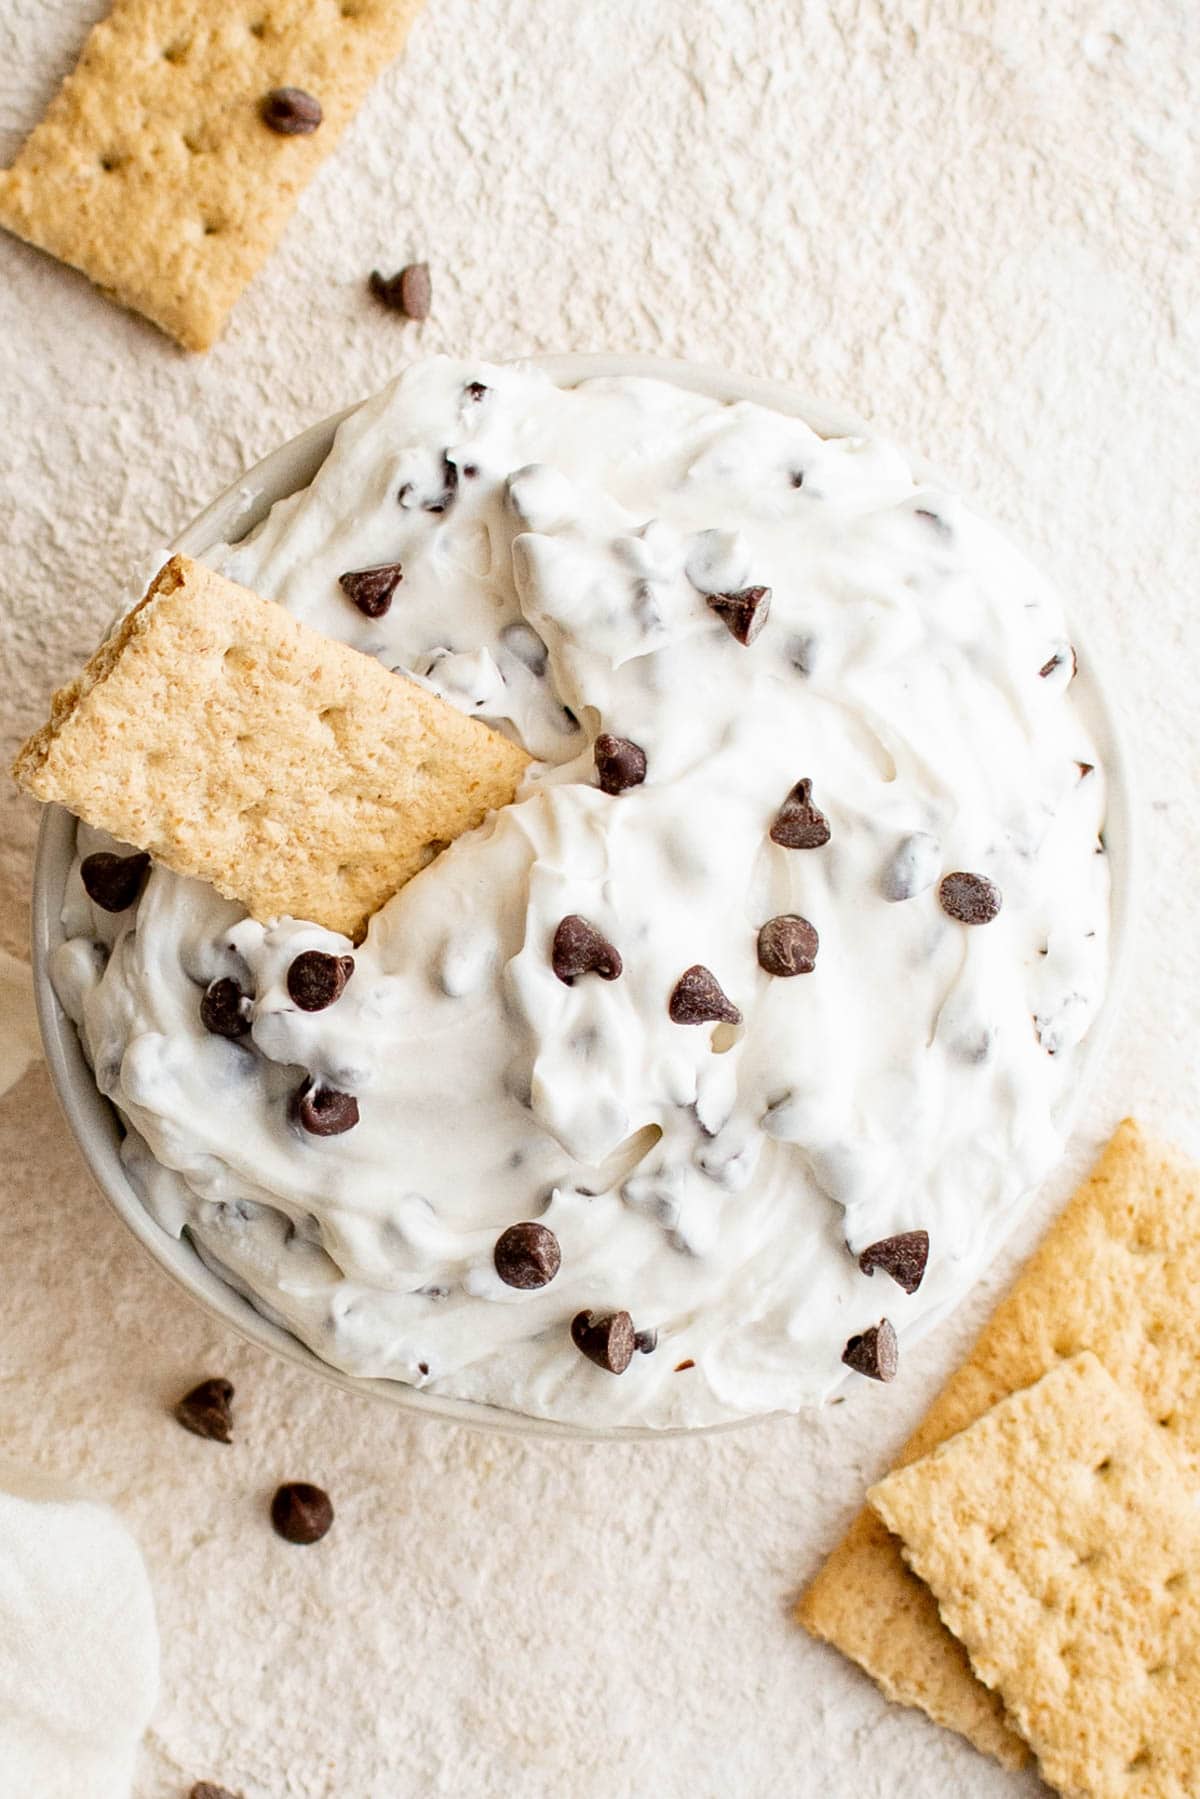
{"x":717,"y":1182}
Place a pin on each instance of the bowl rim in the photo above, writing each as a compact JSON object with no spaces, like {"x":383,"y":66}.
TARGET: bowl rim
{"x":93,"y":1120}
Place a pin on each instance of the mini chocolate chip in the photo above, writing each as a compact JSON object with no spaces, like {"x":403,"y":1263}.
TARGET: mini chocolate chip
{"x":797,"y":477}
{"x":386,"y":289}
{"x":743,"y":613}
{"x":799,"y":825}
{"x":606,"y":1338}
{"x":114,"y":882}
{"x":323,"y":1111}
{"x":1085,"y":769}
{"x":801,"y":651}
{"x":912,"y":868}
{"x":316,"y":979}
{"x":443,"y":501}
{"x":291,"y":112}
{"x":875,"y":1353}
{"x":620,"y":764}
{"x":1058,"y":659}
{"x":475,"y":390}
{"x":301,"y":1513}
{"x":973,"y":1046}
{"x":523,"y":642}
{"x":205,"y":1789}
{"x":698,"y":998}
{"x":971,"y":899}
{"x":788,"y":945}
{"x":409,"y":291}
{"x":580,"y":949}
{"x":645,"y":1342}
{"x":416,"y":290}
{"x":223,"y":1009}
{"x":371,"y":589}
{"x":413,"y":291}
{"x":682,"y":1367}
{"x":903,"y":1257}
{"x":527,"y":1256}
{"x":205,"y":1411}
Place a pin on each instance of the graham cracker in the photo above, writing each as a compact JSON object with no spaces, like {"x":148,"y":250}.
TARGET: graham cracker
{"x":152,"y":170}
{"x":1118,"y":1273}
{"x":236,"y":744}
{"x":1062,"y":1543}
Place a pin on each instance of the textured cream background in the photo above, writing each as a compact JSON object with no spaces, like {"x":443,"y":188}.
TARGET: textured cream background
{"x":977,"y":223}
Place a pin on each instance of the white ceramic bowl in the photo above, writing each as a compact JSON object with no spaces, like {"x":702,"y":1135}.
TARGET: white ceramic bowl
{"x":93,"y":1121}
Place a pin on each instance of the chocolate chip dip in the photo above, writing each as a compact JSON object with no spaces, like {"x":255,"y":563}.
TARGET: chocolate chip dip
{"x":696,"y":1082}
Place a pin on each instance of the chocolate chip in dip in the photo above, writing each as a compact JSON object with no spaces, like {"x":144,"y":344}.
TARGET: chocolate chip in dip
{"x":788,"y":945}
{"x":799,"y":825}
{"x":315,"y":979}
{"x":606,"y":1338}
{"x":802,"y":650}
{"x":1064,"y":657}
{"x":698,"y":998}
{"x":580,"y":949}
{"x":527,"y":1256}
{"x":442,"y":501}
{"x":433,"y":490}
{"x":971,"y":899}
{"x":620,"y":764}
{"x":371,"y":589}
{"x":911,"y":868}
{"x":225,"y":1009}
{"x":874,"y":1352}
{"x":324,"y":1111}
{"x":743,"y":613}
{"x":114,"y":882}
{"x":903,"y":1256}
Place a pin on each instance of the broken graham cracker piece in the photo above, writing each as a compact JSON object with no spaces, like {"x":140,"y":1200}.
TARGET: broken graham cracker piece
{"x":1118,"y":1273}
{"x":1062,"y":1542}
{"x":866,"y":1602}
{"x":236,"y":744}
{"x":154,"y":170}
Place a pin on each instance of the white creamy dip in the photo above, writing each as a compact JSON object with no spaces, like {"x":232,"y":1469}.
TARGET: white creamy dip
{"x":716,"y":1181}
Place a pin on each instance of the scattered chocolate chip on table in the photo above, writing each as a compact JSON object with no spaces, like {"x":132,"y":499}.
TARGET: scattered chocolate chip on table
{"x":207,"y":1410}
{"x":874,"y":1352}
{"x":409,"y":291}
{"x":301,"y":1513}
